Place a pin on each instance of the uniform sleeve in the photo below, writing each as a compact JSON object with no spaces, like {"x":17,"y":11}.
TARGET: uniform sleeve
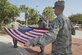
{"x":9,"y":25}
{"x":51,"y":36}
{"x":21,"y":26}
{"x":44,"y":24}
{"x":55,"y":26}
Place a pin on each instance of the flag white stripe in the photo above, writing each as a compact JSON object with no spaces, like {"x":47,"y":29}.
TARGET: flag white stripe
{"x":18,"y":35}
{"x":40,"y":30}
{"x":36,"y":33}
{"x":24,"y":35}
{"x":31,"y":34}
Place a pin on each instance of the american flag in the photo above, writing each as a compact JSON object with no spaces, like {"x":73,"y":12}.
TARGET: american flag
{"x":25,"y":34}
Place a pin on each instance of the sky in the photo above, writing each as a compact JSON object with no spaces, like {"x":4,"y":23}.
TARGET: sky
{"x":71,"y":6}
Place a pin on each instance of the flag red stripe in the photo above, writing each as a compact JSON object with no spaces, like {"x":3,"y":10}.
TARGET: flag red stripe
{"x":26,"y":33}
{"x":20,"y":34}
{"x":38,"y":31}
{"x":17,"y":36}
{"x":42,"y":28}
{"x":34,"y":34}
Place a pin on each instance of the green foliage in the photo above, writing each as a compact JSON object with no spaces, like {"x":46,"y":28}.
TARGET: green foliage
{"x":24,"y":8}
{"x":30,"y":14}
{"x":21,"y":22}
{"x":13,"y":11}
{"x":76,"y":17}
{"x":33,"y":17}
{"x":48,"y":13}
{"x":7,"y":11}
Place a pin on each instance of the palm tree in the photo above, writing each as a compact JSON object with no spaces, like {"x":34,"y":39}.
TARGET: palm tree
{"x":26,"y":10}
{"x":33,"y":16}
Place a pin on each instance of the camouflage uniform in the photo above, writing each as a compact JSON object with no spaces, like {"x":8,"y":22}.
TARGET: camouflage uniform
{"x":15,"y":25}
{"x":62,"y":43}
{"x":42,"y":24}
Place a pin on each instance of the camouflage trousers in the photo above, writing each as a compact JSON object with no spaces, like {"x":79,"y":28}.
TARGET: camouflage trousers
{"x":61,"y":49}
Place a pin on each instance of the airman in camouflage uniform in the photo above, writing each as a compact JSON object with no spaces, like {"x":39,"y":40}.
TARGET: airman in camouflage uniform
{"x":42,"y":24}
{"x":62,"y":43}
{"x":14,"y":24}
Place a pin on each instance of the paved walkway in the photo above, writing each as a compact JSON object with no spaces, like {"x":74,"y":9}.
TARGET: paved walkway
{"x":6,"y":47}
{"x":76,"y":48}
{"x":78,"y":34}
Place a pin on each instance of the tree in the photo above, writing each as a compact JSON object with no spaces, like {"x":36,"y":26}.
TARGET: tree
{"x":76,"y":18}
{"x":33,"y":17}
{"x":26,"y":10}
{"x":10,"y":12}
{"x":7,"y":11}
{"x":48,"y":13}
{"x":21,"y":22}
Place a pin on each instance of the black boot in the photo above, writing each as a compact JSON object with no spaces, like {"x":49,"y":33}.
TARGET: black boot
{"x":15,"y":46}
{"x":15,"y":43}
{"x":42,"y":51}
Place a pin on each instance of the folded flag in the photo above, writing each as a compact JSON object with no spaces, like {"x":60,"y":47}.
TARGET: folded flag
{"x":25,"y":34}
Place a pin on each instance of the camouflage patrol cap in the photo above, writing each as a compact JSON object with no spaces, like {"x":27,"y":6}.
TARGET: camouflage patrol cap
{"x":59,"y":3}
